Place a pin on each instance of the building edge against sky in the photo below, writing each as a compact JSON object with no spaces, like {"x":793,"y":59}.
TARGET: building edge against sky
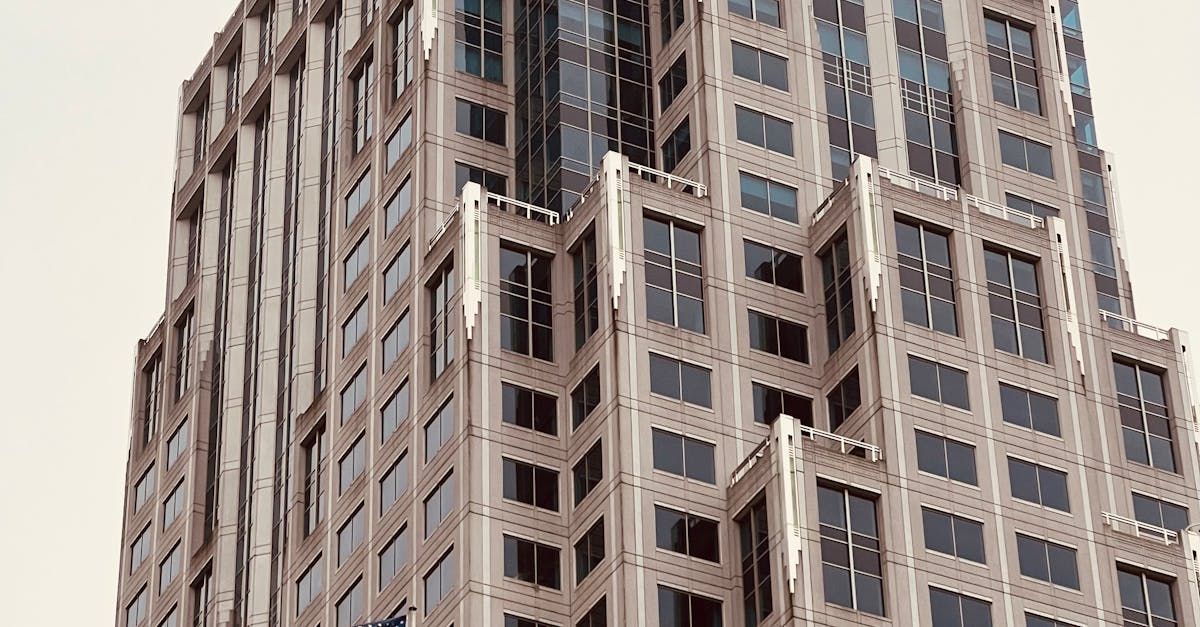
{"x":491,"y":311}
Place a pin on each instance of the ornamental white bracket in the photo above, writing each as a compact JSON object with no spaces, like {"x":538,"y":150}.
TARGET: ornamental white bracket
{"x":617,"y":210}
{"x":429,"y":20}
{"x":871,"y":214}
{"x":1066,"y":277}
{"x":790,"y":495}
{"x":473,"y":245}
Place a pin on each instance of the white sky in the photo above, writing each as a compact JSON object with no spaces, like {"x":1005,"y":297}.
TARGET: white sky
{"x":87,"y":132}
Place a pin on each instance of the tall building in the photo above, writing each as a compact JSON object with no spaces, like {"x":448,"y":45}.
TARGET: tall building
{"x":619,"y":312}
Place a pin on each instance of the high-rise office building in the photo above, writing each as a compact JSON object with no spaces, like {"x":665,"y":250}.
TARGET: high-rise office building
{"x":653,"y":312}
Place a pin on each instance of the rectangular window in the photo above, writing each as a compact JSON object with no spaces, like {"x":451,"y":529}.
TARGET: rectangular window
{"x":1026,"y":154}
{"x":492,"y":182}
{"x":528,"y":409}
{"x":441,"y":325}
{"x":769,"y":198}
{"x":1029,"y":409}
{"x":352,"y":463}
{"x":595,"y":617}
{"x":680,"y":380}
{"x":764,"y":131}
{"x":680,"y":532}
{"x":770,"y":402}
{"x":530,"y":484}
{"x":172,"y":619}
{"x":843,"y":400}
{"x":1033,"y":620}
{"x":139,"y":550}
{"x":674,"y":274}
{"x":760,"y":66}
{"x":1047,"y":561}
{"x":439,"y":429}
{"x":756,"y":562}
{"x":684,"y":456}
{"x":951,"y":609}
{"x":398,"y":206}
{"x":439,"y":581}
{"x":938,"y":382}
{"x":194,"y":225}
{"x":202,"y":598}
{"x":1016,"y":304}
{"x":1152,"y":511}
{"x":177,"y":443}
{"x":532,"y":562}
{"x":350,"y":536}
{"x":439,"y":504}
{"x":310,"y":584}
{"x":839,"y":291}
{"x":396,"y":273}
{"x":684,"y":609}
{"x":677,"y":146}
{"x":953,"y":535}
{"x":778,"y":337}
{"x":1145,"y":420}
{"x":588,"y":472}
{"x":168,"y":569}
{"x":393,"y":558}
{"x":396,"y":341}
{"x":354,"y":394}
{"x":144,"y":488}
{"x":928,"y":102}
{"x":774,"y":266}
{"x":137,"y":610}
{"x":926,"y":277}
{"x":846,"y":65}
{"x":947,"y":458}
{"x":233,"y":92}
{"x":517,"y":621}
{"x":353,"y":329}
{"x":402,"y":43}
{"x":585,"y":398}
{"x":526,"y":310}
{"x":184,"y":330}
{"x":673,"y":82}
{"x":398,"y":142}
{"x":313,"y":458}
{"x":151,"y":398}
{"x":393,"y":484}
{"x":586,"y":290}
{"x":672,"y":15}
{"x":358,"y":197}
{"x":174,"y":505}
{"x":589,"y":551}
{"x":481,"y":122}
{"x":1146,"y":598}
{"x":349,"y":608}
{"x":479,"y":39}
{"x":1038,"y":484}
{"x":1033,"y":207}
{"x":363,"y":116}
{"x":765,"y":11}
{"x":1013,"y":63}
{"x":850,"y":554}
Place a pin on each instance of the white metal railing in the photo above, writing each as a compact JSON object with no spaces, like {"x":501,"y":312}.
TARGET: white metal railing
{"x":441,"y":229}
{"x":743,"y":468}
{"x":909,"y":181}
{"x":1140,"y":529}
{"x":1133,"y":326}
{"x":845,"y":445}
{"x":698,"y":190}
{"x":1006,"y":213}
{"x":523,"y":209}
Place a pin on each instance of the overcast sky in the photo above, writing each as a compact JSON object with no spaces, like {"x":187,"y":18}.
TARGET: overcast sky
{"x":87,"y":132}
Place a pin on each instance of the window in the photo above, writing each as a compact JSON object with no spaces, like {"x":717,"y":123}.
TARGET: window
{"x":764,"y":131}
{"x":672,"y":16}
{"x":172,"y":619}
{"x":926,"y":277}
{"x":398,"y":206}
{"x":313,"y":458}
{"x":1026,"y":154}
{"x":953,"y":535}
{"x":363,"y":116}
{"x":517,"y":621}
{"x":233,"y":92}
{"x":358,"y":197}
{"x":680,"y":532}
{"x":351,"y":465}
{"x":938,"y":382}
{"x":139,"y":550}
{"x":595,"y":617}
{"x":177,"y":443}
{"x":530,"y":484}
{"x":479,"y":39}
{"x":756,"y":562}
{"x":947,"y":458}
{"x":760,"y":66}
{"x":839,"y":291}
{"x":439,"y":504}
{"x":684,"y":609}
{"x":439,"y":429}
{"x":1047,"y":561}
{"x":352,"y":330}
{"x":678,"y":144}
{"x":673,"y":82}
{"x":585,"y":398}
{"x":169,"y":568}
{"x":587,"y":295}
{"x":396,"y":341}
{"x":589,"y":551}
{"x":679,"y":380}
{"x":531,"y":562}
{"x":684,"y":456}
{"x":439,"y":581}
{"x":173,"y":505}
{"x":1152,"y":511}
{"x":441,"y":329}
{"x":1032,"y":207}
{"x":402,"y":56}
{"x":151,"y":397}
{"x":929,"y":105}
{"x":395,"y":412}
{"x":202,"y":598}
{"x":350,"y":536}
{"x":1033,"y":620}
{"x":674,"y":274}
{"x":350,"y":607}
{"x":393,"y":484}
{"x":1014,"y":66}
{"x":1038,"y":484}
{"x":951,"y":609}
{"x":769,"y":402}
{"x":526,"y":313}
{"x":1028,"y":409}
{"x":144,"y":488}
{"x":846,"y":64}
{"x":588,"y":472}
{"x":765,"y":11}
{"x":1145,"y":421}
{"x":396,"y":273}
{"x":774,"y":266}
{"x":1016,"y":304}
{"x":399,"y":142}
{"x":778,"y":337}
{"x":354,"y":393}
{"x":1146,"y":599}
{"x":194,"y":226}
{"x":843,"y":399}
{"x":183,"y":353}
{"x":393,"y":558}
{"x":529,"y":409}
{"x":769,"y":198}
{"x":481,"y":122}
{"x":310,"y":584}
{"x":137,"y":610}
{"x":850,"y":559}
{"x":463,"y":173}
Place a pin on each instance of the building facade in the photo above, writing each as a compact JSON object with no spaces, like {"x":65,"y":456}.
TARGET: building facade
{"x":670,"y":312}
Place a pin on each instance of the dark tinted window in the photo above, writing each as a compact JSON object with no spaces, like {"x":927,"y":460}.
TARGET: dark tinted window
{"x":532,"y":410}
{"x":946,"y":458}
{"x":585,"y":397}
{"x":1029,"y":409}
{"x":532,"y":562}
{"x":686,"y":533}
{"x":953,"y":535}
{"x":1038,"y":484}
{"x":684,"y":456}
{"x":530,"y":484}
{"x":775,"y":266}
{"x":679,"y":380}
{"x":588,"y":472}
{"x":769,"y":402}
